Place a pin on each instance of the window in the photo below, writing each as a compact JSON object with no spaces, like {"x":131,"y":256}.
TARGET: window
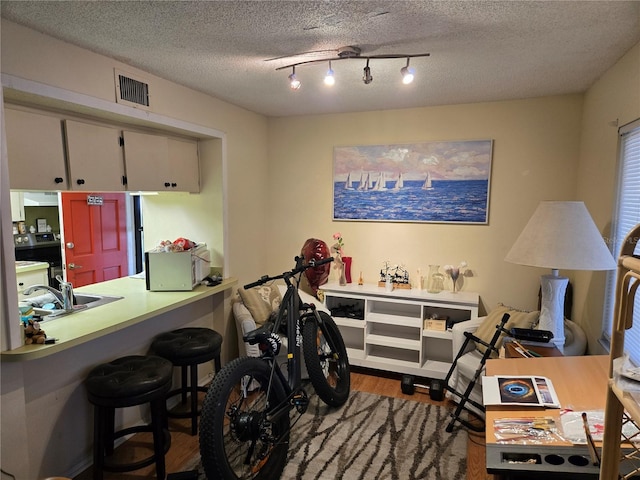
{"x":626,"y":215}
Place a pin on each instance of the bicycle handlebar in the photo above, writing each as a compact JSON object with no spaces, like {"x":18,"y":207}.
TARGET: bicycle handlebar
{"x":299,"y":268}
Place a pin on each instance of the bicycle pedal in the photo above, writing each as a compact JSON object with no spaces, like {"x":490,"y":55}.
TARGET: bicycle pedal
{"x":300,"y":401}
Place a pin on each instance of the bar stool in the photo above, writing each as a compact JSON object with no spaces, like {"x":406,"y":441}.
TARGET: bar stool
{"x":126,"y":382}
{"x":187,"y":348}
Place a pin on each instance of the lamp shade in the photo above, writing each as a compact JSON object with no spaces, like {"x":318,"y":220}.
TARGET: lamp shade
{"x":561,"y":235}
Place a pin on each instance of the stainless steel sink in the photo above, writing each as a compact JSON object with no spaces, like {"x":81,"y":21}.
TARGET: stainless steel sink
{"x":83,"y":301}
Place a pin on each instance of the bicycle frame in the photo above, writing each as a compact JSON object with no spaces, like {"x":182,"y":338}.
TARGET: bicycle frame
{"x":290,"y":312}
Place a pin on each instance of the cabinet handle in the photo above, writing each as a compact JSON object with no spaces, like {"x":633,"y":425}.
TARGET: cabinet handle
{"x":174,"y":185}
{"x":73,"y":266}
{"x":167,"y":184}
{"x":80,"y":181}
{"x":58,"y":180}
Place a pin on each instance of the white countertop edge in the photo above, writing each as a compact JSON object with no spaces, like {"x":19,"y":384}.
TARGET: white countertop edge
{"x":85,"y":326}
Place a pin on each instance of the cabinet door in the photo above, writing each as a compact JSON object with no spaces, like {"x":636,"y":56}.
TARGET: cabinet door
{"x":34,"y":277}
{"x":184,"y":169}
{"x":17,"y":206}
{"x":147,"y":160}
{"x":36,"y":151}
{"x":95,"y":157}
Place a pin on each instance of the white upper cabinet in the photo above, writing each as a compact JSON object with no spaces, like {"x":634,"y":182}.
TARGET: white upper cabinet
{"x":17,"y":206}
{"x":158,"y":163}
{"x":35,"y":151}
{"x":184,"y":168}
{"x":95,"y":157}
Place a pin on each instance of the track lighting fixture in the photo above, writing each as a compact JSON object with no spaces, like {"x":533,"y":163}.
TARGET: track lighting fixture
{"x":352,"y":53}
{"x":407,"y":73}
{"x":294,"y":83}
{"x":367,"y":78}
{"x":329,"y":79}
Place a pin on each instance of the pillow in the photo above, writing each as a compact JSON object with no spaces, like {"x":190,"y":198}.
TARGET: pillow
{"x":261,"y":301}
{"x":518,"y":319}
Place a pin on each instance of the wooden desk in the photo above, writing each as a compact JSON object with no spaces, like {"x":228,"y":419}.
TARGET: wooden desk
{"x":581,"y":384}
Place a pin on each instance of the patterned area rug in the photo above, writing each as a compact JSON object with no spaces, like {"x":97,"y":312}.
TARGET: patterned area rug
{"x":374,"y":437}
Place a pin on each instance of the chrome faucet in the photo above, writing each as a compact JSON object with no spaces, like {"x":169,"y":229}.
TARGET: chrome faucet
{"x":64,"y":296}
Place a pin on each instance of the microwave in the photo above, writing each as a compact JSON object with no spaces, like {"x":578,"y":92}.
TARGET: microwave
{"x":174,"y":271}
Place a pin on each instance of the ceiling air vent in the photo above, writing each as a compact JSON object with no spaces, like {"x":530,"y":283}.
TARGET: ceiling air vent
{"x":131,"y":91}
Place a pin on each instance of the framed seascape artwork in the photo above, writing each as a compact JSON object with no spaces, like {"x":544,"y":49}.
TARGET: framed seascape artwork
{"x":441,"y":182}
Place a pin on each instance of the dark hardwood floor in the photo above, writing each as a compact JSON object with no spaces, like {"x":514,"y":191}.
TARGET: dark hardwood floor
{"x":184,"y":446}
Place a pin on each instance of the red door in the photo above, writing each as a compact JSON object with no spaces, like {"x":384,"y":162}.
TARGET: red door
{"x":95,"y":237}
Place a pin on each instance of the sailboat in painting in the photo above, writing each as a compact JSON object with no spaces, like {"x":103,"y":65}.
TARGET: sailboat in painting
{"x":381,"y":183}
{"x":348,"y":185}
{"x":399,"y":183}
{"x":427,"y":183}
{"x":364,"y":182}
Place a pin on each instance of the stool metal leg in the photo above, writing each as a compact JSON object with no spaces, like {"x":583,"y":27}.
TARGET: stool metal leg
{"x":158,"y":415}
{"x":183,"y":375}
{"x":194,"y":399}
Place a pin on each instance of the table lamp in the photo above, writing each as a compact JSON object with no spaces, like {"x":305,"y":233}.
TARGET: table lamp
{"x":559,"y":235}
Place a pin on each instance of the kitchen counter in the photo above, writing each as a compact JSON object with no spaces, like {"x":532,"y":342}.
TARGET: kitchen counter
{"x":23,"y":266}
{"x":137,"y":306}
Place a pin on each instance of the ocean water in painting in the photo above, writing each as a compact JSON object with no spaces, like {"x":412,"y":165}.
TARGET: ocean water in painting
{"x":460,"y":201}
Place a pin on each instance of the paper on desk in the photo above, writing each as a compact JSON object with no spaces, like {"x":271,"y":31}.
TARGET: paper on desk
{"x":573,"y":427}
{"x":526,"y":391}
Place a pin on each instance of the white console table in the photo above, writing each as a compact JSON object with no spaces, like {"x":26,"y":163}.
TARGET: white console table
{"x":391,"y":335}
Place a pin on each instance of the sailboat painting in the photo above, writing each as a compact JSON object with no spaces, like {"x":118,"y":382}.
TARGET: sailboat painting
{"x":433,"y":182}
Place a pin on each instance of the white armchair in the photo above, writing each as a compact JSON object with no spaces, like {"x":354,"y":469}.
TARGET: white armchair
{"x":467,"y":363}
{"x":246,"y":323}
{"x":575,"y":344}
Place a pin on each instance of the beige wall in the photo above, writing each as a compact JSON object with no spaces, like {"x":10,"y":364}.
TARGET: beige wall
{"x":278,"y":188}
{"x":613,"y":101}
{"x":535,"y":156}
{"x":239,"y":154}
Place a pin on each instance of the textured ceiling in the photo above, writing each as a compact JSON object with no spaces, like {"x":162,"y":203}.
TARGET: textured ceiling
{"x":480,"y":50}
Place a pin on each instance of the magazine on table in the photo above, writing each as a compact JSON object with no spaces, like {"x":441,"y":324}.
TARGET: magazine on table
{"x":526,"y":391}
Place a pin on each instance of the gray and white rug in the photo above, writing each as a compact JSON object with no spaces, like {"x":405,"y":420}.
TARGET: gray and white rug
{"x":375,"y":437}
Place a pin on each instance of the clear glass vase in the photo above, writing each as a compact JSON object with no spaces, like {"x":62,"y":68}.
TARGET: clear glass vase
{"x":435,"y":280}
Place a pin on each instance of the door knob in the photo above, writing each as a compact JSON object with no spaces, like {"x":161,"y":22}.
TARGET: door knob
{"x":70,"y":245}
{"x":73,"y":266}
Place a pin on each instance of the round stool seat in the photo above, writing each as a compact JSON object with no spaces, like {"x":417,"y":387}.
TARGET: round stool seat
{"x":128,"y":381}
{"x":188,"y":346}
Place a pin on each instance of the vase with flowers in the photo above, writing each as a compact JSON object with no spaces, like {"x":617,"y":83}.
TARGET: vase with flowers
{"x":343,"y":264}
{"x":454,"y":273}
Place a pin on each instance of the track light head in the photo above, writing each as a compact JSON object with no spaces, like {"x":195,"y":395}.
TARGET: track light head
{"x":294,"y":83}
{"x":367,"y":78}
{"x":329,"y":79}
{"x":407,"y":73}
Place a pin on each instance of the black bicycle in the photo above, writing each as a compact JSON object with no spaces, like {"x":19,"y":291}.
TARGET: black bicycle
{"x":245,"y":421}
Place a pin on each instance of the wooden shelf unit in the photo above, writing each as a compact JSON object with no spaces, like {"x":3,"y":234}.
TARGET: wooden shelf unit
{"x":391,"y":335}
{"x":622,"y":406}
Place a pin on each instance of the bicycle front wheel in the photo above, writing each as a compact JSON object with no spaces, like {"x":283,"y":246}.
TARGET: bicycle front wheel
{"x":239,"y":439}
{"x":326,"y":358}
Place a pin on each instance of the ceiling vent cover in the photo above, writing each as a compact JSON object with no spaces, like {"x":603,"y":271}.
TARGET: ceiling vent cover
{"x":131,"y":91}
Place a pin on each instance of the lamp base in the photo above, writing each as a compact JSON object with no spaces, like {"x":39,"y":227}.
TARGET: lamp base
{"x":553,"y":288}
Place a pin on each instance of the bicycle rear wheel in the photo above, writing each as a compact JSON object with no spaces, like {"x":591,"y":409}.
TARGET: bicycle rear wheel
{"x":237,"y":440}
{"x":326,"y":358}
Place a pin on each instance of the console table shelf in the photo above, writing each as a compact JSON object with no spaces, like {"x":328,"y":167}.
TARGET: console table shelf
{"x":390,"y":334}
